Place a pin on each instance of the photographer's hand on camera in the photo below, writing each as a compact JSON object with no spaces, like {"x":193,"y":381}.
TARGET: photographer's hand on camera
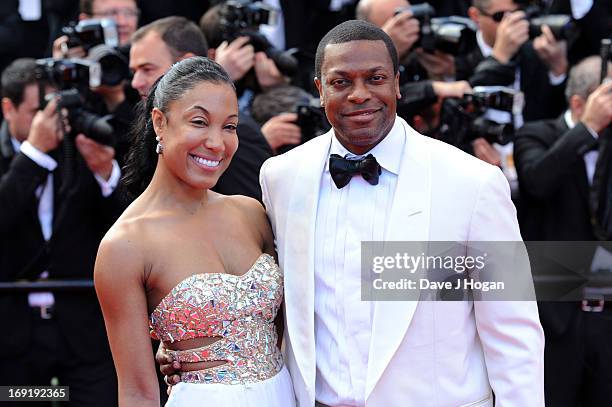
{"x":552,"y":52}
{"x":403,"y":30}
{"x":98,"y":157}
{"x":60,"y":49}
{"x":598,"y":110}
{"x":512,"y":33}
{"x":268,"y":75}
{"x":282,"y":130}
{"x":46,"y":132}
{"x":486,"y":152}
{"x":438,"y":65}
{"x":237,"y":57}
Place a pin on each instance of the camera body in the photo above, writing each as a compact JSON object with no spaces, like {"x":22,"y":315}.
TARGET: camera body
{"x":453,"y":35}
{"x":464,"y":120}
{"x":562,"y":26}
{"x":92,"y":32}
{"x":72,"y":79}
{"x":243,"y":18}
{"x":311,"y":120}
{"x":99,"y":38}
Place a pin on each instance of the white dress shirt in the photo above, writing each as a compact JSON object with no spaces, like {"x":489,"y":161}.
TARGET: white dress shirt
{"x":44,"y":193}
{"x":590,"y":157}
{"x":343,"y":323}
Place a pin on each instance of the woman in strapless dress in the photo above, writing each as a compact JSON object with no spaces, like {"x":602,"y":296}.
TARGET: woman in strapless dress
{"x":190,"y":267}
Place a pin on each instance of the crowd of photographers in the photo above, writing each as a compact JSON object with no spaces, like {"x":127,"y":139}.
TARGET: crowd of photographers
{"x":519,"y":84}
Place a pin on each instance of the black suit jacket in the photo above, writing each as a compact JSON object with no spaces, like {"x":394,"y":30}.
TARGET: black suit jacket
{"x":554,"y":195}
{"x":81,"y":217}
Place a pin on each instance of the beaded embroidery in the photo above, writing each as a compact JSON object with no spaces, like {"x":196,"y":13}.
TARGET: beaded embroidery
{"x":240,"y":310}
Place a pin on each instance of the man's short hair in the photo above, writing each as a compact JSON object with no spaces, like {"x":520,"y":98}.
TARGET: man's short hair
{"x":86,"y":6}
{"x":583,"y":78}
{"x":482,"y":4}
{"x":178,"y":33}
{"x":354,"y":30}
{"x":280,"y":99}
{"x":19,"y":74}
{"x":210,"y":24}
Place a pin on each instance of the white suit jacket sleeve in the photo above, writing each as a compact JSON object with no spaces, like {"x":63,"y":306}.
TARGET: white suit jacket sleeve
{"x":510,"y":331}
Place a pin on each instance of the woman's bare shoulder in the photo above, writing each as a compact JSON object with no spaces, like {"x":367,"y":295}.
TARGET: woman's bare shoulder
{"x":250,"y":206}
{"x":123,"y":249}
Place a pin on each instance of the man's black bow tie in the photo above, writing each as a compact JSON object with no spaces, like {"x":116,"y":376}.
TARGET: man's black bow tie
{"x":342,"y":169}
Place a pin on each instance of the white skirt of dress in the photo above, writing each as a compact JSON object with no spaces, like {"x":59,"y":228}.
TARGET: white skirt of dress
{"x":276,"y":391}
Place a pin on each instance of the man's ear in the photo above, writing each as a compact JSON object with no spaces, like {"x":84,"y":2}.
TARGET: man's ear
{"x":187,"y":55}
{"x":159,"y":121}
{"x":398,"y":94}
{"x":8,"y":108}
{"x":576,"y":105}
{"x":319,"y":86}
{"x":473,"y":13}
{"x":211,"y":53}
{"x":84,"y":16}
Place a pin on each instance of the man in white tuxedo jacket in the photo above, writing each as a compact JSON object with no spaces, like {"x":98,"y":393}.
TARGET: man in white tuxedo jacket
{"x":340,"y":350}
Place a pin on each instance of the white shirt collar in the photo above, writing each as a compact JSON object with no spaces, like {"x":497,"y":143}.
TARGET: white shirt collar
{"x":568,"y":119}
{"x":484,"y":47}
{"x":388,"y":152}
{"x":16,"y":144}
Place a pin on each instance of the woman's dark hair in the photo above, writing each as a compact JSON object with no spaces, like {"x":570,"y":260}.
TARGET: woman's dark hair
{"x":180,"y":78}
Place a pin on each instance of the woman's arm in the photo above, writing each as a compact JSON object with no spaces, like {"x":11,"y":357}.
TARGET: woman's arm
{"x":119,"y":281}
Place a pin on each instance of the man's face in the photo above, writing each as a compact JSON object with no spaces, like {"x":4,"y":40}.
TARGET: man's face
{"x":150,"y":58}
{"x":383,"y":10}
{"x":484,"y":18}
{"x":19,"y":118}
{"x":124,"y":12}
{"x":359,"y":91}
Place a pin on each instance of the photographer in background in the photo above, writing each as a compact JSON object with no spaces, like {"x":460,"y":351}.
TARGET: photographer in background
{"x":506,"y":57}
{"x":234,"y":49}
{"x":51,"y":229}
{"x":115,"y":98}
{"x":557,"y":162}
{"x":418,"y":104}
{"x":403,"y":29}
{"x":289,"y":110}
{"x":155,"y":47}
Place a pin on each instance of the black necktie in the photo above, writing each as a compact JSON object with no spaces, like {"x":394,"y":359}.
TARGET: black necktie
{"x":342,"y":169}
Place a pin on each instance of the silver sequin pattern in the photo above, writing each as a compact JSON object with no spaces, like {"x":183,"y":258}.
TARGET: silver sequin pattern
{"x":240,"y":310}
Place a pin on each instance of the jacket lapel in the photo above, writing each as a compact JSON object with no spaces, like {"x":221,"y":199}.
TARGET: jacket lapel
{"x":298,"y":256}
{"x":408,"y":221}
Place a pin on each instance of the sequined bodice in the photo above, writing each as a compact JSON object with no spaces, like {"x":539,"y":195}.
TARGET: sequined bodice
{"x":240,"y":310}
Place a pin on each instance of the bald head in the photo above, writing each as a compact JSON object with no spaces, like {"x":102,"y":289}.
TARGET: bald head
{"x":378,"y":12}
{"x":584,"y":77}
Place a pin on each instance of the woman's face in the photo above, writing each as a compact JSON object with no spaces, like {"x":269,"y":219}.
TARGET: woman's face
{"x":198,"y":133}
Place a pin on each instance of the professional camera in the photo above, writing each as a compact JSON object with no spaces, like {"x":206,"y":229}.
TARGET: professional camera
{"x":562,"y":26}
{"x":310,"y":115}
{"x":73,"y":78}
{"x":452,"y":35}
{"x":311,"y":119}
{"x":466,"y":119}
{"x":99,"y":39}
{"x":92,"y":32}
{"x":242,"y":18}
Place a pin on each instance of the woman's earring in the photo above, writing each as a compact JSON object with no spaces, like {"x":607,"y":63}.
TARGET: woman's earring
{"x":158,"y":149}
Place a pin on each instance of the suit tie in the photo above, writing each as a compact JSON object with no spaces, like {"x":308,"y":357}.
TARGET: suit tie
{"x":342,"y":169}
